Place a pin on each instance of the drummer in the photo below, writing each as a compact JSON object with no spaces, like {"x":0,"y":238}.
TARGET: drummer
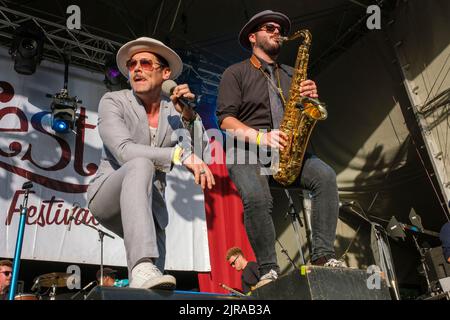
{"x":5,"y":278}
{"x":110,"y":278}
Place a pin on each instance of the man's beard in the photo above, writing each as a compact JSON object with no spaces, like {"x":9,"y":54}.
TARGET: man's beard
{"x":271,"y":49}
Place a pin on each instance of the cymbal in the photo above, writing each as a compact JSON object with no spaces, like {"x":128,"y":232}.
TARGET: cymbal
{"x":57,"y":279}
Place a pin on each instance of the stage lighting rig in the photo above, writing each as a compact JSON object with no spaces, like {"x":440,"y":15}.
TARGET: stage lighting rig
{"x":64,"y":110}
{"x":64,"y":107}
{"x":114,"y":80}
{"x":27,"y":48}
{"x":395,"y":229}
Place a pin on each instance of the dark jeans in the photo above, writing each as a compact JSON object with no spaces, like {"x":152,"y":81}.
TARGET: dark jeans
{"x":254,"y":188}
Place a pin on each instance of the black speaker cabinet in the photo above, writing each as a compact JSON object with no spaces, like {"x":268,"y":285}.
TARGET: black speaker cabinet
{"x":438,"y":267}
{"x":322,"y":283}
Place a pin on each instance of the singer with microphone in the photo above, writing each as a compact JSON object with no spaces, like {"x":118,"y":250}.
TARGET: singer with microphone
{"x":137,"y":128}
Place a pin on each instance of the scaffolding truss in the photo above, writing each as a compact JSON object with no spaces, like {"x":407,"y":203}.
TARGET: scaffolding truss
{"x":88,"y":50}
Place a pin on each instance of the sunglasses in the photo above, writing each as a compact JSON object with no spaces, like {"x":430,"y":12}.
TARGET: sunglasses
{"x":234,"y":261}
{"x":270,"y":28}
{"x":6,"y":273}
{"x":146,"y":64}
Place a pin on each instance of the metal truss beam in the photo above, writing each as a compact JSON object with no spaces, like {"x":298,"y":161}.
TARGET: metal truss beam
{"x":86,"y":49}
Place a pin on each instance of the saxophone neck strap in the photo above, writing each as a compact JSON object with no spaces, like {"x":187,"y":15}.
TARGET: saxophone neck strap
{"x":255,"y":62}
{"x":258,"y":65}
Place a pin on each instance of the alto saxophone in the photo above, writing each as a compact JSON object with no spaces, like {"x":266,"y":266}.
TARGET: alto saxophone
{"x":300,"y":117}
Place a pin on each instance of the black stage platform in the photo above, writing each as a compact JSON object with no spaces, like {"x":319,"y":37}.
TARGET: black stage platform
{"x":308,"y":283}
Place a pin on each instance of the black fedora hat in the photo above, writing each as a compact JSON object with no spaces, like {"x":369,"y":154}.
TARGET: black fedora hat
{"x":260,"y":18}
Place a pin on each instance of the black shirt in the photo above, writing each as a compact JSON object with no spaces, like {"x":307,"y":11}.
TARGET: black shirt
{"x":250,"y":276}
{"x":4,"y":294}
{"x":243,"y":94}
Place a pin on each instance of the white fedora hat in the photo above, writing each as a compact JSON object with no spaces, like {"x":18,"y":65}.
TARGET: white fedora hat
{"x":145,"y":44}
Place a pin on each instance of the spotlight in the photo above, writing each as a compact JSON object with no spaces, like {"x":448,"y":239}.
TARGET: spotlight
{"x":27,"y":48}
{"x":114,"y":80}
{"x":415,"y":219}
{"x":64,"y":108}
{"x":63,"y":111}
{"x":395,"y":229}
{"x":61,"y":122}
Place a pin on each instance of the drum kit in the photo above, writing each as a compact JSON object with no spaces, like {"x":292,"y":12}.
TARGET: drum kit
{"x":49,"y":282}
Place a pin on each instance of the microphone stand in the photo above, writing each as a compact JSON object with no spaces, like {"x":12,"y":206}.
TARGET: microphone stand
{"x":18,"y":252}
{"x":424,"y":264}
{"x":101,"y":235}
{"x":296,"y":224}
{"x":285,"y":252}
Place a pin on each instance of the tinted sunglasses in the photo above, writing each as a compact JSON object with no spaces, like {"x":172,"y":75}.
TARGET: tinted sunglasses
{"x":234,"y":261}
{"x":270,"y":28}
{"x":146,"y":64}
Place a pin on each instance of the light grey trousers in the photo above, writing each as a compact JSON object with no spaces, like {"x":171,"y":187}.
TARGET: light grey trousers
{"x":123,"y":204}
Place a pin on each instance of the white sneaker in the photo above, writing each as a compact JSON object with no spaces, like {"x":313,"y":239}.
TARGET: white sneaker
{"x":334,"y":263}
{"x":146,"y":275}
{"x":270,"y":276}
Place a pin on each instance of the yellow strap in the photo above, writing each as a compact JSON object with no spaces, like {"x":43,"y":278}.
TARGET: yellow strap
{"x":258,"y":138}
{"x":176,"y":159}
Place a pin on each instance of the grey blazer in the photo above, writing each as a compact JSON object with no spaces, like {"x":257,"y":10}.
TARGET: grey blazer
{"x":124,"y":130}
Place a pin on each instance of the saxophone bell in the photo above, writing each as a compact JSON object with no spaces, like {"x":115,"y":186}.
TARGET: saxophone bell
{"x":313,"y":108}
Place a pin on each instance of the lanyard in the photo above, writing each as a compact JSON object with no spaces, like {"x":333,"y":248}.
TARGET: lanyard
{"x":257,"y":64}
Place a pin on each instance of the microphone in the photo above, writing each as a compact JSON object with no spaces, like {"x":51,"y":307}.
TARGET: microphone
{"x":167,"y":90}
{"x":75,"y":205}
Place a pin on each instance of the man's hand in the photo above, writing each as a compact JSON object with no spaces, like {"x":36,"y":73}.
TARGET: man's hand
{"x":202,"y":174}
{"x":274,"y":139}
{"x":308,"y":88}
{"x":179,"y":91}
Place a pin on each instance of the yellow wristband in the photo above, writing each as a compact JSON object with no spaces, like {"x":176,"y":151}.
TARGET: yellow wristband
{"x":176,"y":159}
{"x":258,"y":138}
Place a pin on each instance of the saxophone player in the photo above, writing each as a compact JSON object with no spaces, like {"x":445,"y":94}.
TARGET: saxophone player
{"x":250,"y":105}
